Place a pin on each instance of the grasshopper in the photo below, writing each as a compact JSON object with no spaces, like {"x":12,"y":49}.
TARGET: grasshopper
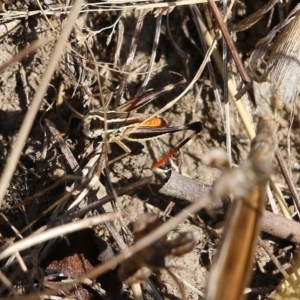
{"x":124,"y":123}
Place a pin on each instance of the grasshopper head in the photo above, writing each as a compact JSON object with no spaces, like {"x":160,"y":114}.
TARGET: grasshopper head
{"x":93,"y":124}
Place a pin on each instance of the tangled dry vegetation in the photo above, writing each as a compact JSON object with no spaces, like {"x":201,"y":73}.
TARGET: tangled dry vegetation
{"x":78,"y":84}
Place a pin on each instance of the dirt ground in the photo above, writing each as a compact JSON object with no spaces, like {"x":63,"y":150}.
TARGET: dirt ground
{"x":75,"y":85}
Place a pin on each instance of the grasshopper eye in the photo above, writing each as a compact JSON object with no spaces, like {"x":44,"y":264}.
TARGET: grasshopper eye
{"x":93,"y":126}
{"x":96,"y":125}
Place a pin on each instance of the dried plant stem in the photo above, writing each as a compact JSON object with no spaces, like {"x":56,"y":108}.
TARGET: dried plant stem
{"x":231,"y":87}
{"x":253,"y":18}
{"x":45,"y":16}
{"x":55,"y":232}
{"x":182,"y":290}
{"x":103,"y":6}
{"x":274,"y":224}
{"x":153,"y":55}
{"x":232,"y":266}
{"x":131,"y":54}
{"x":5,"y":282}
{"x":36,"y":102}
{"x":273,"y":257}
{"x":245,"y":77}
{"x":18,"y":57}
{"x":137,"y":291}
{"x":279,"y":198}
{"x":233,"y":261}
{"x":238,"y":103}
{"x":169,"y":4}
{"x":288,"y":180}
{"x":194,"y":9}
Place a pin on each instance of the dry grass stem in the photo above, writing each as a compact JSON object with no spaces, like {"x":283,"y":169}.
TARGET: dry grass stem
{"x":56,"y":232}
{"x":36,"y":102}
{"x":87,"y":210}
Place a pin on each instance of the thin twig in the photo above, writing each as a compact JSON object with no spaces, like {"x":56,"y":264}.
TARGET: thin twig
{"x":246,"y":79}
{"x":131,"y":54}
{"x":55,"y":232}
{"x":153,"y":55}
{"x":288,"y":180}
{"x":36,"y":102}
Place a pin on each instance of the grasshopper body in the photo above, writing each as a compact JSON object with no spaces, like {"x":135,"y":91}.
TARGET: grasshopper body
{"x":125,"y":123}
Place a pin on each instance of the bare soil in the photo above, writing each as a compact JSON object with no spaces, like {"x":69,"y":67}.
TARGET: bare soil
{"x":42,"y":161}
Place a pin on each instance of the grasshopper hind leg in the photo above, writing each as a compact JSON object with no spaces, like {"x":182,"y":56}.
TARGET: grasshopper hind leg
{"x":122,"y":146}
